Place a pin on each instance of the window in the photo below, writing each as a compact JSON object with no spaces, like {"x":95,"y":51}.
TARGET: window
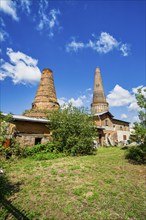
{"x":124,"y":137}
{"x":106,"y":122}
{"x":38,"y":141}
{"x":121,"y":128}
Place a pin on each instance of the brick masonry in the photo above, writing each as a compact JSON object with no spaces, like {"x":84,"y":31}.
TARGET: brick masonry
{"x":45,"y":99}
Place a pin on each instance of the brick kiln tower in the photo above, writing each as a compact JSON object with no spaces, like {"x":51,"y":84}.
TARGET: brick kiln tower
{"x":45,"y":99}
{"x":99,"y":103}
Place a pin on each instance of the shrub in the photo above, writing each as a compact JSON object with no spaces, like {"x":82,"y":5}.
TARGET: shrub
{"x":18,"y":151}
{"x":73,"y":131}
{"x":39,"y":148}
{"x":137,"y":153}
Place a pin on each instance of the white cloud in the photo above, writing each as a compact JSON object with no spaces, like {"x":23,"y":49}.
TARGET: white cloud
{"x":9,"y":8}
{"x":119,"y":97}
{"x":47,"y":21}
{"x":21,"y":68}
{"x":25,"y":5}
{"x":124,"y":116}
{"x":125,"y":49}
{"x":80,"y":101}
{"x":143,"y":90}
{"x":122,"y":97}
{"x":74,"y":46}
{"x":62,"y":101}
{"x":133,"y":106}
{"x":2,"y":23}
{"x":76,"y":102}
{"x":102,"y":44}
{"x":89,"y":89}
{"x":135,"y":119}
{"x":3,"y":35}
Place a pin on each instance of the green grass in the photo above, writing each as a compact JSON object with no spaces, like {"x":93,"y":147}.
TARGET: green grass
{"x":103,"y":186}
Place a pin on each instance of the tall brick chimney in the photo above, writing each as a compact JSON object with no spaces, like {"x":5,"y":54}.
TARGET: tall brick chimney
{"x":99,"y":103}
{"x":45,"y":99}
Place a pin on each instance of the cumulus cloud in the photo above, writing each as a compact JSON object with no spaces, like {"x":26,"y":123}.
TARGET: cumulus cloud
{"x":80,"y":101}
{"x":122,"y":97}
{"x":119,"y":97}
{"x":133,"y":105}
{"x":74,"y":46}
{"x":102,"y":45}
{"x":9,"y":7}
{"x":143,"y":88}
{"x":47,"y":21}
{"x":21,"y":68}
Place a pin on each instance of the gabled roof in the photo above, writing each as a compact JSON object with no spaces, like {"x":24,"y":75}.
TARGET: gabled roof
{"x":102,"y":113}
{"x":114,"y":119}
{"x":24,"y":118}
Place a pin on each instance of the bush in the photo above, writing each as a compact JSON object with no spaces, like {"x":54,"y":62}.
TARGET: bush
{"x":18,"y":151}
{"x":77,"y":146}
{"x":137,"y":153}
{"x":73,"y":131}
{"x":39,"y":148}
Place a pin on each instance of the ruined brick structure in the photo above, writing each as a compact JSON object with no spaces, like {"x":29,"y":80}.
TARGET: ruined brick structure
{"x":45,"y":99}
{"x":32,"y":126}
{"x":99,"y":103}
{"x":111,"y":131}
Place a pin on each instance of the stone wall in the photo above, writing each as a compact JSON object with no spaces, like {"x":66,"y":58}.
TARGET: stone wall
{"x":28,"y":140}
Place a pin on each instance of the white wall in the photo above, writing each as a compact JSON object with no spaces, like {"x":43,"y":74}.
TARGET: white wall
{"x":121,"y":133}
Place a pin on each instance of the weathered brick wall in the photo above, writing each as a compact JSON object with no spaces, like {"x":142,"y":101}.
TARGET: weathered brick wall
{"x":31,"y":127}
{"x":45,"y":98}
{"x":116,"y":124}
{"x":27,"y":132}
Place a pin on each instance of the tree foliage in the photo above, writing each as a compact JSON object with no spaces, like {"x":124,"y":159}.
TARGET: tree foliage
{"x":138,"y":153}
{"x":4,"y":124}
{"x":73,"y":131}
{"x":140,"y":127}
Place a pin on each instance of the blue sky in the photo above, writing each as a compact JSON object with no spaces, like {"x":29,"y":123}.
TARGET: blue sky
{"x":73,"y":38}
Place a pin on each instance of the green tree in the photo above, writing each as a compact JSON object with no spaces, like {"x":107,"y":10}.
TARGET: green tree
{"x":139,"y":134}
{"x":4,"y":124}
{"x":138,"y":153}
{"x":73,"y":131}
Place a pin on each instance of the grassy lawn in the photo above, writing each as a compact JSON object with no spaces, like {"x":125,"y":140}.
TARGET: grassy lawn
{"x":104,"y":186}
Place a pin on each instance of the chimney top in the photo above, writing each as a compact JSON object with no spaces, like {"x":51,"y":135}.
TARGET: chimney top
{"x":97,"y":69}
{"x":47,"y":70}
